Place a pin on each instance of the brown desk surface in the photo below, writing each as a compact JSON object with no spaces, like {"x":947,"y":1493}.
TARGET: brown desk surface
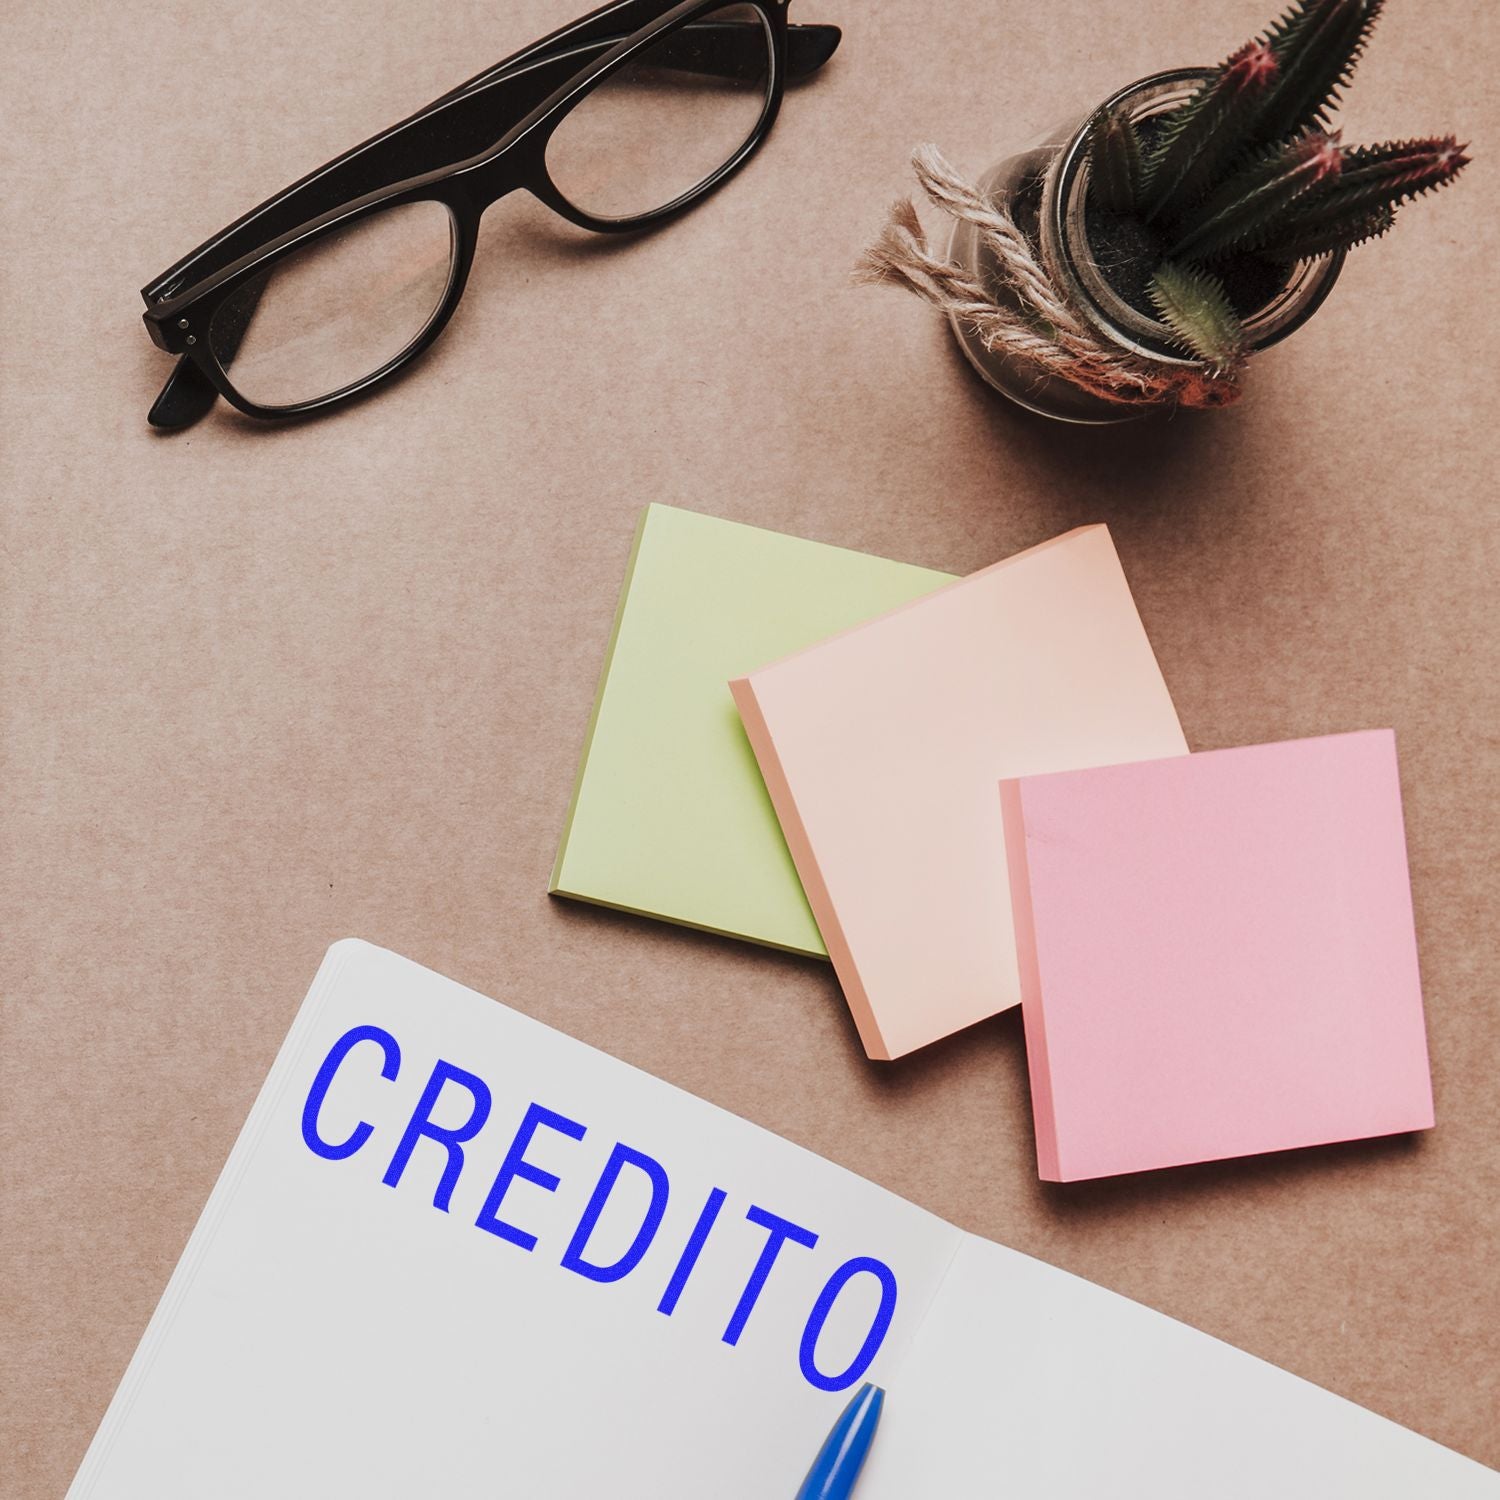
{"x":264,"y":689}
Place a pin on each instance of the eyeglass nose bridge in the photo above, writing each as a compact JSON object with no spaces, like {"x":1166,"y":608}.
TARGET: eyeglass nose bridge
{"x":479,"y":187}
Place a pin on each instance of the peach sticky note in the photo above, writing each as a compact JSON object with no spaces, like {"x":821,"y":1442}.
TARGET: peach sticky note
{"x":881,"y":748}
{"x":1217,"y":955}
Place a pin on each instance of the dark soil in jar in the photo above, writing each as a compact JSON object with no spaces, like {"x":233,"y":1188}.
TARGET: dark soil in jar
{"x":1127,"y":253}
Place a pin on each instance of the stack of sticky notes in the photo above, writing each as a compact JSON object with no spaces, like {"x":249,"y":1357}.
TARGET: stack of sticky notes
{"x":670,"y":817}
{"x":975,"y":793}
{"x":882,"y":749}
{"x":1217,"y":955}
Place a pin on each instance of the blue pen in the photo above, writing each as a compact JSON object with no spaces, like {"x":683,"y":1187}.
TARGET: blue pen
{"x":842,"y":1456}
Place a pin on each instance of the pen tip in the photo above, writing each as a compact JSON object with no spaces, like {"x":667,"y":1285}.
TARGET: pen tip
{"x":842,"y":1455}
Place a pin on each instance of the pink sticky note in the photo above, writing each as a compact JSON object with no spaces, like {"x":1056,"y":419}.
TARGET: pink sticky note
{"x":1217,"y":955}
{"x":881,"y":747}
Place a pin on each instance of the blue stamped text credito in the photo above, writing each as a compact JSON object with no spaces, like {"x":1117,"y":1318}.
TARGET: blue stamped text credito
{"x":446,"y":1077}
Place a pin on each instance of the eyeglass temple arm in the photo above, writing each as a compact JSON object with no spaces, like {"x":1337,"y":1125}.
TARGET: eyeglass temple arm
{"x":464,"y":123}
{"x":735,"y":49}
{"x":736,"y":53}
{"x":359,"y":170}
{"x":808,"y":48}
{"x":187,"y":396}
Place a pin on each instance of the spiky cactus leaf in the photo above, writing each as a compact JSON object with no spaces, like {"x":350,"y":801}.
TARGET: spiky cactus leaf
{"x":1193,"y":304}
{"x":1115,"y":164}
{"x":1370,"y":179}
{"x":1237,"y":212}
{"x":1384,"y":176}
{"x":1211,"y":129}
{"x":1317,"y":238}
{"x":1317,"y":45}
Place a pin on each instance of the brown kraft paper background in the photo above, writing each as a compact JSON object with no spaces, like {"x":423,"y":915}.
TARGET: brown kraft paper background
{"x":261,"y":689}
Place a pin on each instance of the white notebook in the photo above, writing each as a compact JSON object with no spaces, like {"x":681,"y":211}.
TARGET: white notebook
{"x":456,"y":1254}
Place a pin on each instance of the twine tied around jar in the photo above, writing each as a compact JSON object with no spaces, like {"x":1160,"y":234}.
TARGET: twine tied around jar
{"x":1039,"y":326}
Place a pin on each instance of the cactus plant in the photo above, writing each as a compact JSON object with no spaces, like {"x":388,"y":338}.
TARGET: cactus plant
{"x":1247,"y":177}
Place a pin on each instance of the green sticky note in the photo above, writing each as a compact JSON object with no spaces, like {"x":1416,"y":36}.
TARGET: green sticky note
{"x":670,"y":817}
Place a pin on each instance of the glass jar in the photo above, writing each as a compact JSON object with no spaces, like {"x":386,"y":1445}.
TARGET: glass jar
{"x":1044,"y":188}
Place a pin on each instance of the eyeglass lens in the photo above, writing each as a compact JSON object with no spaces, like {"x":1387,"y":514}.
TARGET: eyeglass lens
{"x":326,"y":316}
{"x":669,"y":118}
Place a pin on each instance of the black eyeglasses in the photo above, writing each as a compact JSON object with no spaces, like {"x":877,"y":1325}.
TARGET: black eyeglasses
{"x":619,"y":122}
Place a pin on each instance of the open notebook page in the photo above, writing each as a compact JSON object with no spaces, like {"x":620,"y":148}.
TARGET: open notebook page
{"x":327,"y":1335}
{"x":1026,"y":1381}
{"x":457,"y":1253}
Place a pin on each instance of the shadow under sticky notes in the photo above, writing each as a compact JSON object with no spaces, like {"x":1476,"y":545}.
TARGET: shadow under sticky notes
{"x":669,"y":816}
{"x":882,"y":747}
{"x":1218,"y":955}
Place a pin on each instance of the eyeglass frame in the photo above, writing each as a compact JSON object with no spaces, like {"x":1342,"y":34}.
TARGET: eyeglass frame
{"x":180,"y":311}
